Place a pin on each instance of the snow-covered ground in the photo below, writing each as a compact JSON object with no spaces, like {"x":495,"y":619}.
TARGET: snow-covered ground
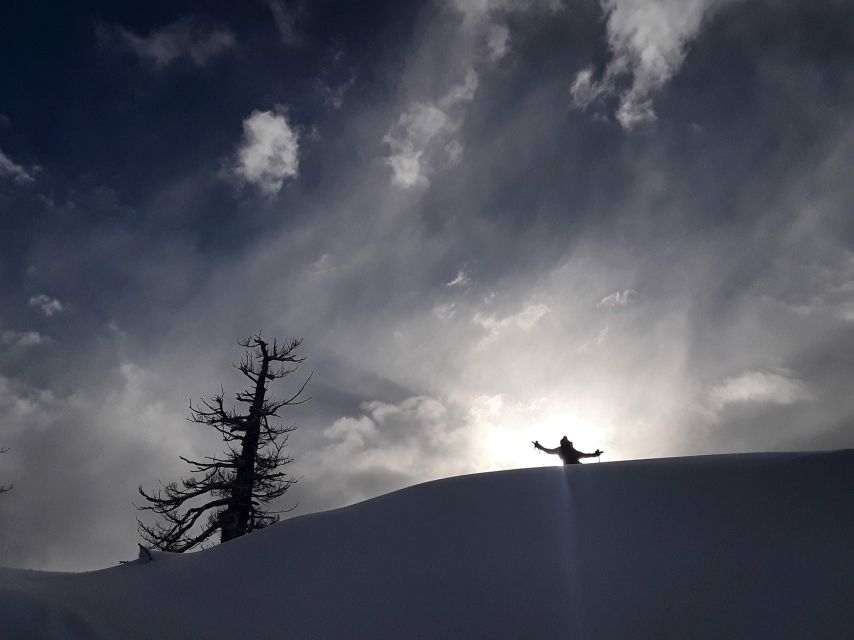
{"x":756,"y":546}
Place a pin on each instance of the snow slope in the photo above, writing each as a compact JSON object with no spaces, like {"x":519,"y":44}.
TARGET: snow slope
{"x":741,"y":546}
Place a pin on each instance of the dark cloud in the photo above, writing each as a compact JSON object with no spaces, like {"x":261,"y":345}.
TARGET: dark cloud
{"x":473,"y":260}
{"x":189,"y":38}
{"x":285,"y":17}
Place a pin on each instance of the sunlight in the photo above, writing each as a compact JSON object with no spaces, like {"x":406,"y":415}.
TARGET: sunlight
{"x":505,"y":432}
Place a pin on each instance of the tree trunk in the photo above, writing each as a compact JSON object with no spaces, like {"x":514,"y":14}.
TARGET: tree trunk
{"x":235,"y":518}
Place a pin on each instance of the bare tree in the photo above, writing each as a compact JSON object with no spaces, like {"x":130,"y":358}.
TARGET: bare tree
{"x":4,"y":488}
{"x":230,"y":493}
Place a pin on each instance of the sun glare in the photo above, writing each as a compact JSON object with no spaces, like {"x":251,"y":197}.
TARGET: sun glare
{"x":508,"y":431}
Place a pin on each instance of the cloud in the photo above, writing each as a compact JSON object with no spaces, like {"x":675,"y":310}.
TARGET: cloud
{"x":269,"y":152}
{"x":334,"y":96}
{"x":23,"y":338}
{"x":498,"y":41}
{"x":408,"y":143}
{"x":445,"y":312}
{"x":189,"y":38}
{"x":351,"y":434}
{"x":455,"y":152}
{"x":584,"y":89}
{"x":486,"y":18}
{"x":10,"y":169}
{"x":618,"y":299}
{"x":390,"y":444}
{"x":461,"y":280}
{"x":475,"y":10}
{"x":487,"y":407}
{"x":420,"y":128}
{"x":324,"y":266}
{"x":428,"y":126}
{"x":759,"y":387}
{"x":460,"y":93}
{"x":648,"y":41}
{"x":524,"y":320}
{"x":831,"y":285}
{"x":103,"y":443}
{"x":48,"y":305}
{"x":285,"y":19}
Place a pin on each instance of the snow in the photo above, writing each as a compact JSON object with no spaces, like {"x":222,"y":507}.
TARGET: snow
{"x":737,"y":546}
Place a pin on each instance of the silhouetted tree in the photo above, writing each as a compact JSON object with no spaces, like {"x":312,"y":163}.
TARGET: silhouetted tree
{"x":232,"y":488}
{"x":4,"y":488}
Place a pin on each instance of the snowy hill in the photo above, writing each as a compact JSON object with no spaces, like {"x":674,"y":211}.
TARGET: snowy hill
{"x":740,"y":546}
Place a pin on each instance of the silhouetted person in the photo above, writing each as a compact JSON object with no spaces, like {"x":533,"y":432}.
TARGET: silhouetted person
{"x":568,"y":453}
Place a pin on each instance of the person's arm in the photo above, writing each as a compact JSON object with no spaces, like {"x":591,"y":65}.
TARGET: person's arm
{"x":537,"y":445}
{"x":595,"y":454}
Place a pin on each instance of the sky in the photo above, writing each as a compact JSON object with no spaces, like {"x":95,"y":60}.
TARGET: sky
{"x":490,"y":221}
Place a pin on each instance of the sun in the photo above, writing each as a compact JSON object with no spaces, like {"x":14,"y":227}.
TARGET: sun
{"x":505,"y":432}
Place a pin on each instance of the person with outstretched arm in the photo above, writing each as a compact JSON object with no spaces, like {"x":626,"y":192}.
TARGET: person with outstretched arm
{"x":568,"y":453}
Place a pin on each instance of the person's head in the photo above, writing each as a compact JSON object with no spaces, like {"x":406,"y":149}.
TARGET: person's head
{"x":565,"y":441}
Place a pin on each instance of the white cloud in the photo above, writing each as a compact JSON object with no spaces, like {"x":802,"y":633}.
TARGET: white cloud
{"x":324,"y":266}
{"x":428,"y":126}
{"x":525,"y":320}
{"x":445,"y":312}
{"x":424,"y":409}
{"x":486,"y":407}
{"x":397,"y":443}
{"x":762,"y":387}
{"x":455,"y":152}
{"x":23,"y":338}
{"x":584,"y":89}
{"x":530,"y":315}
{"x":618,"y":299}
{"x":498,"y":41}
{"x":126,"y":423}
{"x":351,"y":434}
{"x":634,"y":111}
{"x":471,"y":9}
{"x":485,"y":20}
{"x":20,"y":403}
{"x":408,"y":144}
{"x":269,"y":152}
{"x":461,"y":280}
{"x":186,"y":38}
{"x":460,"y":93}
{"x":648,"y":41}
{"x":48,"y":305}
{"x":417,"y":131}
{"x":10,"y":169}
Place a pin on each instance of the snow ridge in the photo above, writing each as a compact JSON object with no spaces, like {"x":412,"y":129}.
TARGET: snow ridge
{"x":737,"y":546}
